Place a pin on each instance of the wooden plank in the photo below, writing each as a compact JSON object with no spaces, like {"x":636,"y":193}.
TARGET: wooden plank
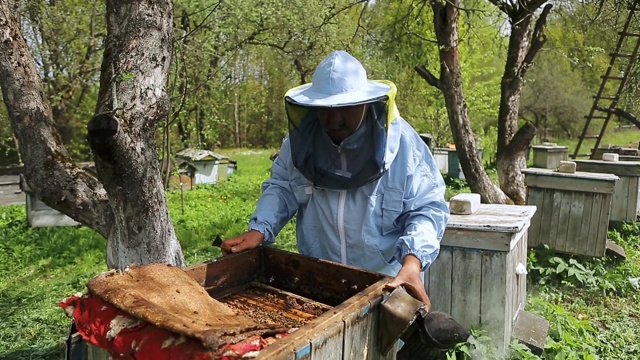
{"x":535,"y":197}
{"x":620,"y":200}
{"x":515,"y":291}
{"x":584,"y":234}
{"x":555,"y":197}
{"x":629,"y":158}
{"x":361,"y":334}
{"x":630,"y":189}
{"x":534,"y":172}
{"x":565,"y":240}
{"x":493,"y":314}
{"x":603,"y":228}
{"x":374,"y":348}
{"x":327,"y":343}
{"x":594,"y":225}
{"x":474,"y":239}
{"x":574,"y":225}
{"x":440,"y":277}
{"x":635,"y":184}
{"x":619,"y":168}
{"x":466,"y":285}
{"x":219,"y":281}
{"x":303,"y":352}
{"x":12,"y":184}
{"x":494,"y":218}
{"x":551,"y":205}
{"x":633,"y":190}
{"x":510,"y":297}
{"x":532,"y":330}
{"x":560,"y":181}
{"x":522,"y":256}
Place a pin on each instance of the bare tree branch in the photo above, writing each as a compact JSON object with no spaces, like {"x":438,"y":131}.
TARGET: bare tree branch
{"x":537,"y":40}
{"x":522,"y":138}
{"x":623,"y":114}
{"x":428,"y":76}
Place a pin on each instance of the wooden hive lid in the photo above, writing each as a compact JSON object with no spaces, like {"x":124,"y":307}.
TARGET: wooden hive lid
{"x":576,"y":175}
{"x":586,"y":182}
{"x":550,"y":147}
{"x":619,"y":168}
{"x":493,"y":227}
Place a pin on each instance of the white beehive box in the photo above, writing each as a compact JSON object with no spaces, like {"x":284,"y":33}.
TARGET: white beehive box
{"x":474,"y":278}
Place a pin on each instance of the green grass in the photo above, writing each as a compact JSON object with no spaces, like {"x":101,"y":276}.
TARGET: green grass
{"x":626,"y":137}
{"x":592,"y":307}
{"x":38,"y":268}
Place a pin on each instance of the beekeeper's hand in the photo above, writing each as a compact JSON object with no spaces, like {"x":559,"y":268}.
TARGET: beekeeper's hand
{"x":247,"y":241}
{"x":410,"y":277}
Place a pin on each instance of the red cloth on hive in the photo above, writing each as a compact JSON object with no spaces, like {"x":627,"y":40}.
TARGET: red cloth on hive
{"x":141,"y":340}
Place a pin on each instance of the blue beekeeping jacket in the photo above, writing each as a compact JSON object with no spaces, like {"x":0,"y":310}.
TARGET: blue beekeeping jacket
{"x":372,"y":226}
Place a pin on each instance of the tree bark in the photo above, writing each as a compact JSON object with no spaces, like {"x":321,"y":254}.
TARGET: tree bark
{"x":49,"y":170}
{"x":127,"y":205}
{"x":450,"y":83}
{"x":524,"y":43}
{"x":131,"y":103}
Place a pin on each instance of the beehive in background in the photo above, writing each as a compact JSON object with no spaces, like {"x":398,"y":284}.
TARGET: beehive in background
{"x":625,"y":204}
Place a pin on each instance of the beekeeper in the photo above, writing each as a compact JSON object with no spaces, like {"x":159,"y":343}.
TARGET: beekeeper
{"x":364,"y":186}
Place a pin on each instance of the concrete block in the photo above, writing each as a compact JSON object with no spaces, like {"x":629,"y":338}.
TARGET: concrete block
{"x":610,"y":157}
{"x":567,"y":167}
{"x":464,"y":204}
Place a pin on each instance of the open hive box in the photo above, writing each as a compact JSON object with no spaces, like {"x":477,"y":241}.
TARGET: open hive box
{"x":335,"y":307}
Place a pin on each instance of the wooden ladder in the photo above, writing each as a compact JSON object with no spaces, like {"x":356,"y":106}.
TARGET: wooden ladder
{"x":622,"y":60}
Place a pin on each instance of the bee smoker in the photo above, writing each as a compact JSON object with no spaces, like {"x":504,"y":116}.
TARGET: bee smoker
{"x":425,"y":335}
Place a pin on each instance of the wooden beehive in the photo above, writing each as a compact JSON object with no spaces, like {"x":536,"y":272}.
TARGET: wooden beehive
{"x":336,"y":307}
{"x":549,"y":156}
{"x":625,"y":205}
{"x":629,"y":158}
{"x":573,"y":210}
{"x":269,"y":281}
{"x":622,"y":151}
{"x":40,"y":214}
{"x":474,"y":278}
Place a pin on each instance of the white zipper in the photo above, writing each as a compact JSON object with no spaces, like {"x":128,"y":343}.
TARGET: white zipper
{"x":341,"y":205}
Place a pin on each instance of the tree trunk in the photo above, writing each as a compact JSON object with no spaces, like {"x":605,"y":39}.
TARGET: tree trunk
{"x":450,"y":83}
{"x":128,"y":205}
{"x":48,"y":168}
{"x":524,"y":43}
{"x":131,"y":103}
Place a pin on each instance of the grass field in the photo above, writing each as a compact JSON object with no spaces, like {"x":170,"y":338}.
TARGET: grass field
{"x":624,"y":137}
{"x":592,"y":306}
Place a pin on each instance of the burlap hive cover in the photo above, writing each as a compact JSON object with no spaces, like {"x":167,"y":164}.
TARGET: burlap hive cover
{"x":167,"y":297}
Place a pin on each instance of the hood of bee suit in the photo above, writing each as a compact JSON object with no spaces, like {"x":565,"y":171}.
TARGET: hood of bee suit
{"x":340,"y":80}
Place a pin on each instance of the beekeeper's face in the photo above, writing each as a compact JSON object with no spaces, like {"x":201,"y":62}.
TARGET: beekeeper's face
{"x":340,"y":122}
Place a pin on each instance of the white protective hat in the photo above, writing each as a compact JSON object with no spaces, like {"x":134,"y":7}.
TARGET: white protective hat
{"x":339,"y":80}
